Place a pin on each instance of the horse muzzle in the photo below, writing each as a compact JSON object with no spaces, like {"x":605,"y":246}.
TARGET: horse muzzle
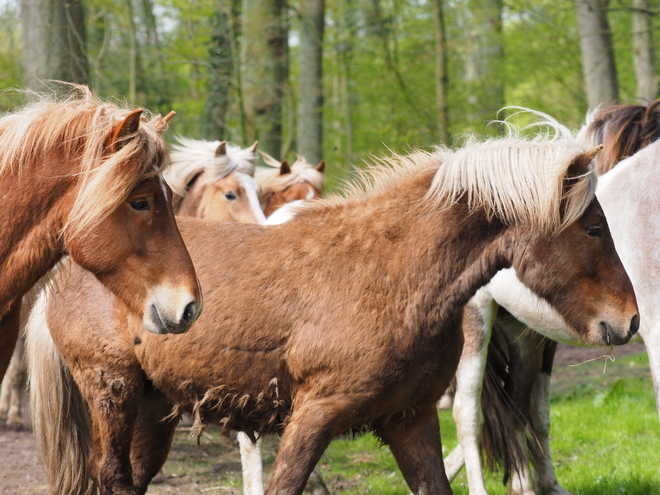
{"x":171,"y":311}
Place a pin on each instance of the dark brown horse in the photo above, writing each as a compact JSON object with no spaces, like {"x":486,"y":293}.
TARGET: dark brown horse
{"x":351,"y":321}
{"x":82,"y":177}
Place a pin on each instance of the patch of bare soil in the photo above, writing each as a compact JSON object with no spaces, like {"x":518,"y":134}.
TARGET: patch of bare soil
{"x":213,"y":466}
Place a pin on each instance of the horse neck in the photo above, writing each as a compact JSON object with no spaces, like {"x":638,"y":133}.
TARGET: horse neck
{"x":37,"y":203}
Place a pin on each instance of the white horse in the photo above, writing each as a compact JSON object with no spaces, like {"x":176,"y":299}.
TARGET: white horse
{"x":636,"y":247}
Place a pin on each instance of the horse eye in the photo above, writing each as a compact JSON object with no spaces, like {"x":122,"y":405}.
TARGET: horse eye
{"x":593,"y":230}
{"x":140,"y":204}
{"x":231,"y":195}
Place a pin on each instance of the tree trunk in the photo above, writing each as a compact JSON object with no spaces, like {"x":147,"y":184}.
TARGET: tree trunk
{"x":220,"y":72}
{"x":132,"y":54}
{"x":54,"y":42}
{"x":484,"y":62}
{"x":310,"y":91}
{"x":264,"y":71}
{"x":597,"y":49}
{"x":440,"y":71}
{"x":642,"y":38}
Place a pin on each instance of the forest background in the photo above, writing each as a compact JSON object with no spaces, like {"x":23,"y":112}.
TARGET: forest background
{"x":336,"y":79}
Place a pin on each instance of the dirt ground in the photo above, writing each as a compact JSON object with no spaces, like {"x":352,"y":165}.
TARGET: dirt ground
{"x":216,"y":457}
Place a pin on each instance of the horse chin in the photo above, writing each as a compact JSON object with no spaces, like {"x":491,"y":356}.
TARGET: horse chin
{"x":170,"y":311}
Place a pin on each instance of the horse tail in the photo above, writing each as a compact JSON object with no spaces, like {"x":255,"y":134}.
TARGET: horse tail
{"x":502,"y":416}
{"x":61,"y":422}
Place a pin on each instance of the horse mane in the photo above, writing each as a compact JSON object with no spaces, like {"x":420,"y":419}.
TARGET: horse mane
{"x":271,"y":181}
{"x":78,"y":124}
{"x":515,"y":178}
{"x":191,"y":157}
{"x":622,"y":129}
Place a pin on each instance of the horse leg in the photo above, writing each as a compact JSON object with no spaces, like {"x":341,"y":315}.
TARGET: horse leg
{"x":251,"y":464}
{"x":113,"y":396}
{"x":9,"y":330}
{"x":13,"y":386}
{"x":308,"y":434}
{"x":152,"y":437}
{"x":416,"y":446}
{"x":478,"y":318}
{"x":546,"y":481}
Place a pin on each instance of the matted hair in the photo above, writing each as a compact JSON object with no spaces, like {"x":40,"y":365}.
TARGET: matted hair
{"x":518,"y":179}
{"x":78,"y":124}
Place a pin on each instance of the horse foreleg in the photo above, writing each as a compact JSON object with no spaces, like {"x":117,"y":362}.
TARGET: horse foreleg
{"x":307,"y":435}
{"x":251,"y":464}
{"x":478,"y":317}
{"x":152,"y":437}
{"x":417,"y":449}
{"x":9,"y":330}
{"x":546,"y":481}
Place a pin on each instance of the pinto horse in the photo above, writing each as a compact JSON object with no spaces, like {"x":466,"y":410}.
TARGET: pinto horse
{"x":623,"y":130}
{"x":214,"y":180}
{"x":283,"y":184}
{"x":277,"y":347}
{"x":83,"y":177}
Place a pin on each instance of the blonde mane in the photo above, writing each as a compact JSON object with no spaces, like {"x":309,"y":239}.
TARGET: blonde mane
{"x":191,"y":157}
{"x":78,"y":125}
{"x":517,"y":179}
{"x":271,"y":181}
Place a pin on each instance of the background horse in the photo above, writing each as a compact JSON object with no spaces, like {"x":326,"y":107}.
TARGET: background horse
{"x":524,"y":385}
{"x":82,"y":176}
{"x":277,"y":345}
{"x":283,"y":184}
{"x":214,"y":180}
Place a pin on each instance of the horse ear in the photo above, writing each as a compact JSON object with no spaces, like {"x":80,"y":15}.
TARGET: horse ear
{"x":253,"y":148}
{"x":122,"y":131}
{"x":581,"y":163}
{"x":284,"y":168}
{"x":320,"y":167}
{"x":221,"y":150}
{"x":161,"y":126}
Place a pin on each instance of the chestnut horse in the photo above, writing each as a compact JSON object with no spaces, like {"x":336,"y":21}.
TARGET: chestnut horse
{"x":623,"y":130}
{"x":83,"y":177}
{"x":214,"y":180}
{"x":283,"y":184}
{"x":377,"y":279}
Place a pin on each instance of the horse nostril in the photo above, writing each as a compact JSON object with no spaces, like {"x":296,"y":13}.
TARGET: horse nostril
{"x":634,"y":325}
{"x":189,"y":313}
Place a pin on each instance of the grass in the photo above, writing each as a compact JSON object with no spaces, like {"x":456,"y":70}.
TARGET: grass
{"x":605,"y":439}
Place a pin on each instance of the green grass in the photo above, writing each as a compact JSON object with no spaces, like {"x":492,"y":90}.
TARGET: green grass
{"x":605,"y":439}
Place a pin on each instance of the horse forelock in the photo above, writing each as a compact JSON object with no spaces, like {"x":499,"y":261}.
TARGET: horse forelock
{"x":270,"y":181}
{"x":78,"y":125}
{"x":516,"y":179}
{"x":191,"y":157}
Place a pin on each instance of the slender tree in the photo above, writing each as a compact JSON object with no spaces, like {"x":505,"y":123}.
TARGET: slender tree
{"x":220,"y":72}
{"x":598,"y":65}
{"x":642,"y":38}
{"x":440,"y":70}
{"x":264,"y":70}
{"x":54,"y":42}
{"x":310,"y":96}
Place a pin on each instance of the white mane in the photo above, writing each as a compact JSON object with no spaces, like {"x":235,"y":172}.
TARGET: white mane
{"x":191,"y":157}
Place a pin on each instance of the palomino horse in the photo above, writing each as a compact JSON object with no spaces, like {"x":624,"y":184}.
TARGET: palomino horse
{"x":283,"y":184}
{"x":210,"y":180}
{"x":214,"y":180}
{"x":83,"y":177}
{"x":378,"y":278}
{"x":623,"y":130}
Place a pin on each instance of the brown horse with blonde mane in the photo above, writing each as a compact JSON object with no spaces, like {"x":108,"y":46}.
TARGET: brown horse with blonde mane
{"x":82,"y":177}
{"x":283,"y":183}
{"x":351,"y":324}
